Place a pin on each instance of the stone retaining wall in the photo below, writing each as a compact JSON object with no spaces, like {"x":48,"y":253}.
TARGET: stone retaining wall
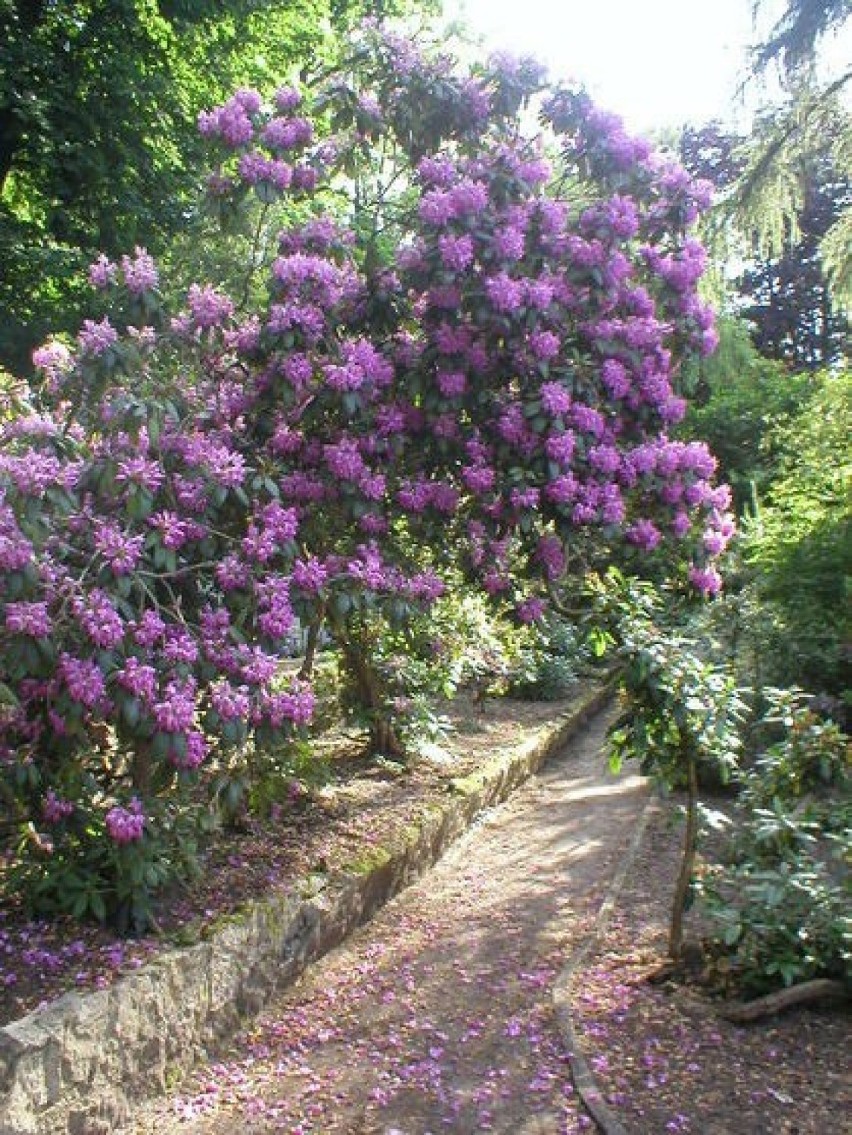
{"x":78,"y":1066}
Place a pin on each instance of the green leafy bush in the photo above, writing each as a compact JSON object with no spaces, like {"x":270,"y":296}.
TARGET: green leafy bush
{"x":799,"y":545}
{"x":780,"y":905}
{"x":395,"y":670}
{"x":550,"y":665}
{"x":681,"y":713}
{"x":746,"y":397}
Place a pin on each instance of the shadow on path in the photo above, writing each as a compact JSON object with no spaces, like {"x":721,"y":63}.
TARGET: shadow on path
{"x":437,"y":1017}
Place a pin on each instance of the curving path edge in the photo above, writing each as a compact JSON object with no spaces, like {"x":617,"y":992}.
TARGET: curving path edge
{"x":79,"y":1066}
{"x":563,"y":990}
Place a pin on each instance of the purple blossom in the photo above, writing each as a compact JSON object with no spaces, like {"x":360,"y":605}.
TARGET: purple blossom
{"x":55,"y":809}
{"x":437,"y":170}
{"x":426,"y":586}
{"x":456,"y":252}
{"x":615,"y":378}
{"x":175,"y":712}
{"x":644,"y":534}
{"x":304,"y":178}
{"x":120,"y":550}
{"x":560,"y":448}
{"x":99,"y":618}
{"x":102,"y":272}
{"x":174,"y":532}
{"x":605,"y":458}
{"x":525,"y":498}
{"x":296,"y":707}
{"x":232,"y":573}
{"x":139,"y":679}
{"x":195,"y":751}
{"x":178,"y":646}
{"x":208,"y":307}
{"x":287,"y":133}
{"x":509,"y":243}
{"x":588,"y":420}
{"x":287,"y":99}
{"x":363,"y":354}
{"x":276,"y":618}
{"x":612,"y":505}
{"x":344,"y":460}
{"x":479,"y":478}
{"x":149,"y":629}
{"x":452,"y":384}
{"x":506,"y":294}
{"x":230,"y":122}
{"x":254,"y":167}
{"x":231,"y":703}
{"x":544,"y":345}
{"x":706,"y":580}
{"x":140,"y":471}
{"x":140,"y":272}
{"x":310,"y":575}
{"x":83,"y":679}
{"x":562,"y":489}
{"x":469,"y":197}
{"x":552,"y":555}
{"x":555,"y":399}
{"x":126,"y":825}
{"x":30,"y":619}
{"x":96,"y":338}
{"x":54,"y":359}
{"x":530,"y":611}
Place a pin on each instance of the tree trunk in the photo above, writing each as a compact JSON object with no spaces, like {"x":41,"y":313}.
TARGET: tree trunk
{"x":687,"y":862}
{"x":307,"y":668}
{"x":384,"y":739}
{"x":141,"y":770}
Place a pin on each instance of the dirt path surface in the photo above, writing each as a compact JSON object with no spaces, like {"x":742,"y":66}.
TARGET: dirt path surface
{"x":438,"y":1016}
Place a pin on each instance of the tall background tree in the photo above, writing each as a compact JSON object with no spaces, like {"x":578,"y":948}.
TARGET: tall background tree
{"x":811,"y":126}
{"x":784,"y":288}
{"x":98,"y":148}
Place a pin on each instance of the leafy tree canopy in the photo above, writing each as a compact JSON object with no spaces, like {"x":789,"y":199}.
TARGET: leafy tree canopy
{"x":98,"y":149}
{"x":793,"y":39}
{"x":766,"y":201}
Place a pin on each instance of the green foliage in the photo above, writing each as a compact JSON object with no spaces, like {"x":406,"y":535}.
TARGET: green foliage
{"x":780,"y":906}
{"x":766,"y":204}
{"x":799,"y":545}
{"x":679,"y":706}
{"x":784,"y":617}
{"x":746,"y":398}
{"x":809,"y":762}
{"x":550,"y":665}
{"x":98,"y":143}
{"x":395,"y":670}
{"x":681,"y":714}
{"x":788,"y":924}
{"x":78,"y":871}
{"x":793,"y":39}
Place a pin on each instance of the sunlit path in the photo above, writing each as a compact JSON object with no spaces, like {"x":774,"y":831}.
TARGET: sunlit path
{"x":437,"y":1016}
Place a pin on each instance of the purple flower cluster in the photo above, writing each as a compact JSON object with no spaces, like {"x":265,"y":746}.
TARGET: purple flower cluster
{"x":96,"y":338}
{"x":30,"y":619}
{"x":126,"y":825}
{"x":55,"y":809}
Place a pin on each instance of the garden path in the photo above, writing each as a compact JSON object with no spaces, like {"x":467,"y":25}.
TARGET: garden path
{"x":437,"y":1016}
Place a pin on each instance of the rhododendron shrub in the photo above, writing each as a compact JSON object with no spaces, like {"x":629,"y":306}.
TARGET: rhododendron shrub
{"x":465,"y":354}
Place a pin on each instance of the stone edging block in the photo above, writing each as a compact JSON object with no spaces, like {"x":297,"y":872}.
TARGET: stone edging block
{"x":79,"y":1065}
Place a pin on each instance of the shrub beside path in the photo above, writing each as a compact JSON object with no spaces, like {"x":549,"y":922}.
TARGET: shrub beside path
{"x":438,"y":1015}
